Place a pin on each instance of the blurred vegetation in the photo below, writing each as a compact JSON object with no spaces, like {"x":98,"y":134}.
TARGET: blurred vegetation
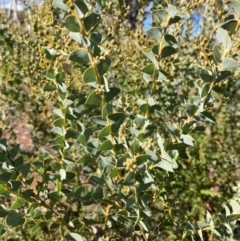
{"x":124,"y":133}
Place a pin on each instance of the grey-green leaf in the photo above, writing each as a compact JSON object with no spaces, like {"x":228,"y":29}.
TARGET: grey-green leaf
{"x":89,"y":75}
{"x":225,"y":39}
{"x":79,"y":56}
{"x":229,"y":64}
{"x":81,"y":8}
{"x":155,"y":33}
{"x":14,"y":219}
{"x":72,"y":23}
{"x":94,"y":99}
{"x":217,"y":53}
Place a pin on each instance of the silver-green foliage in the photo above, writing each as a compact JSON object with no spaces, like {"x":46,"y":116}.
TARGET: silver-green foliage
{"x":125,"y":136}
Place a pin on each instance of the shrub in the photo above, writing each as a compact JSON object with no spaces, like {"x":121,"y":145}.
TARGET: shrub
{"x":132,"y":134}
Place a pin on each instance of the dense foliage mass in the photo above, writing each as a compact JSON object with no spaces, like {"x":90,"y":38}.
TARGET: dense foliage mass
{"x":111,"y":131}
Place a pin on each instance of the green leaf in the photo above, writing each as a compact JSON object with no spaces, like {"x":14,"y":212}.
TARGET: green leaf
{"x":235,"y":206}
{"x":49,"y":87}
{"x":76,"y":37}
{"x":54,"y":197}
{"x":172,"y":129}
{"x":72,"y":23}
{"x":14,"y":185}
{"x":97,"y":179}
{"x":106,"y":145}
{"x":60,"y":140}
{"x":202,"y":225}
{"x":60,"y":77}
{"x":172,"y":10}
{"x":165,"y":165}
{"x":155,"y":33}
{"x":25,"y":169}
{"x":199,"y":231}
{"x":89,"y":75}
{"x":63,"y":88}
{"x":232,"y":218}
{"x":223,"y":75}
{"x":27,"y":194}
{"x":104,"y":66}
{"x":48,"y":54}
{"x":67,"y":102}
{"x":116,"y":116}
{"x":19,"y":202}
{"x":170,"y":39}
{"x":3,"y":158}
{"x":70,"y":176}
{"x":229,"y":64}
{"x":128,"y":180}
{"x":13,"y":152}
{"x":148,"y":69}
{"x":131,"y":201}
{"x":225,"y":39}
{"x":3,"y":212}
{"x":217,"y":53}
{"x":77,"y":237}
{"x":174,"y":20}
{"x":206,"y":77}
{"x":98,"y":193}
{"x":161,"y":14}
{"x":81,"y":8}
{"x":87,"y":158}
{"x":74,"y":134}
{"x":177,"y":146}
{"x":205,"y":90}
{"x":230,"y":26}
{"x":95,"y":38}
{"x":35,"y":227}
{"x":60,"y":4}
{"x":187,"y":139}
{"x":209,"y":219}
{"x":105,"y":131}
{"x":190,"y":227}
{"x":58,"y":130}
{"x":151,"y":56}
{"x":58,"y":112}
{"x":144,"y":108}
{"x":143,"y":186}
{"x":168,"y":51}
{"x":14,"y":219}
{"x":205,"y":117}
{"x":106,"y":162}
{"x":79,"y":56}
{"x":142,"y":158}
{"x":156,"y":49}
{"x":221,"y":218}
{"x":5,"y":177}
{"x":134,"y":146}
{"x":112,"y":93}
{"x":3,"y":144}
{"x":190,"y":109}
{"x":226,"y":210}
{"x":3,"y":190}
{"x":55,"y":226}
{"x":99,"y":120}
{"x":91,"y":21}
{"x":94,"y":99}
{"x":18,"y":161}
